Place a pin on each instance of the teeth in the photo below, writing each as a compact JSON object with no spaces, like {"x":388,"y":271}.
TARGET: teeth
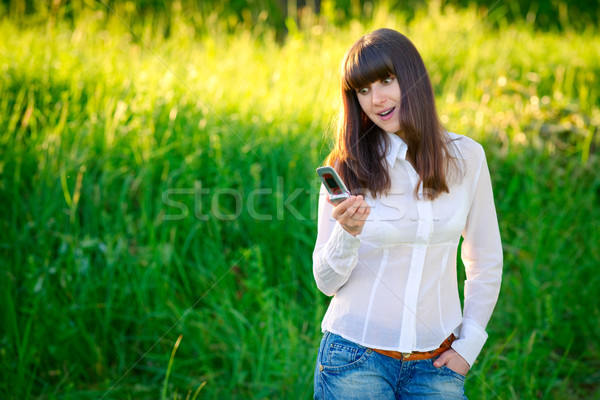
{"x":383,"y":114}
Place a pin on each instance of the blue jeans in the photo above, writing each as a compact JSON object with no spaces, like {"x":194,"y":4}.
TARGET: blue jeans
{"x":346,"y":370}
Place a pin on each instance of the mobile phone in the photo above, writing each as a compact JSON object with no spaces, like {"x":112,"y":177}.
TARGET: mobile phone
{"x":334,"y":184}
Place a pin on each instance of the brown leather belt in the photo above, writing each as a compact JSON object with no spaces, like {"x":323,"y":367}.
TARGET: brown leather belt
{"x":419,"y":355}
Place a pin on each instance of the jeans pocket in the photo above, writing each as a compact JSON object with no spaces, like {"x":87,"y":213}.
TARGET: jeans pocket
{"x":342,"y":354}
{"x":452,"y":373}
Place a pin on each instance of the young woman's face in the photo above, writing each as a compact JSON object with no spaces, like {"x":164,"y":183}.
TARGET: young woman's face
{"x":381,"y":102}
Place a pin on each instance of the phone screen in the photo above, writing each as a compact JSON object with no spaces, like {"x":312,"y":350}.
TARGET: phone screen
{"x":335,"y":189}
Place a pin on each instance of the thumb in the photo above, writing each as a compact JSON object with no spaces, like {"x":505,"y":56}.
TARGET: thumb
{"x":441,"y":360}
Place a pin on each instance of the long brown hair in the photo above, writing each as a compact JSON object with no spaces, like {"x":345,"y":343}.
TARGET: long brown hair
{"x":361,"y":146}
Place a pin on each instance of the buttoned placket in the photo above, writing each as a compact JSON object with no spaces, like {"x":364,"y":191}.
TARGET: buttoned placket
{"x":408,"y":336}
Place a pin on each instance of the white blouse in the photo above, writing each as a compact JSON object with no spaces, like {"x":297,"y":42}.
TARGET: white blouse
{"x":395,"y":285}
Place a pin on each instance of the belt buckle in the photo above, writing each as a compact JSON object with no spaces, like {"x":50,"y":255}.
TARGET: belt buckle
{"x":406,"y":355}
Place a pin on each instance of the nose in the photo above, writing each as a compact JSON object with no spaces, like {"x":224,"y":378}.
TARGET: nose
{"x":378,"y":97}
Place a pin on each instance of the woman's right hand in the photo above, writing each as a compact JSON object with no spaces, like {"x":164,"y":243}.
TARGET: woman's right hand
{"x":352,"y":214}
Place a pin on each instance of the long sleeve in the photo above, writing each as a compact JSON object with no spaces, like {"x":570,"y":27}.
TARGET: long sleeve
{"x":336,"y":251}
{"x":482,"y":256}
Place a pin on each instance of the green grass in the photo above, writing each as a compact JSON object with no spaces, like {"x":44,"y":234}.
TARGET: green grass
{"x":159,"y":203}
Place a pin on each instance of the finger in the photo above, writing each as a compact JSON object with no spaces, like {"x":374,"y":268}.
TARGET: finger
{"x":441,"y":360}
{"x":353,"y":206}
{"x":362,"y":212}
{"x":340,"y":208}
{"x":359,"y":202}
{"x":364,"y":207}
{"x":347,"y":203}
{"x":453,"y":354}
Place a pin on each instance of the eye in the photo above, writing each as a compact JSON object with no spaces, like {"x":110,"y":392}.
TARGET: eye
{"x":363,"y":91}
{"x":387,"y":81}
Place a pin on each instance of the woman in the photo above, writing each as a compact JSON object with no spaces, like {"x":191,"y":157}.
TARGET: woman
{"x":394,"y":328}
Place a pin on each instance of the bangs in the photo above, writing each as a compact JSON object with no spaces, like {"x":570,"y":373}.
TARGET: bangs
{"x":364,"y":65}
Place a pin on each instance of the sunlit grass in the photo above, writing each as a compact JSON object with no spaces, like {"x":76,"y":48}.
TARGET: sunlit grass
{"x":159,"y":194}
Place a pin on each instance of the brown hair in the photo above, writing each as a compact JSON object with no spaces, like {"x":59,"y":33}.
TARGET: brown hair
{"x":361,"y":146}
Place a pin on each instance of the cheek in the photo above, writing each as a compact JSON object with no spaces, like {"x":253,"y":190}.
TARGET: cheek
{"x":364,"y":104}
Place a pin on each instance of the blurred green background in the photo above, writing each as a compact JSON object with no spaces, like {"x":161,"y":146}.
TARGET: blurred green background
{"x":159,"y":196}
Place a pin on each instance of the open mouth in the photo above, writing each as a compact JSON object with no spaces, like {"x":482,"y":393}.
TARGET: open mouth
{"x":387,"y":112}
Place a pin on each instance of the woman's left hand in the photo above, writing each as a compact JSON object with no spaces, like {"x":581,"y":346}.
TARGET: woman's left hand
{"x":451,"y":359}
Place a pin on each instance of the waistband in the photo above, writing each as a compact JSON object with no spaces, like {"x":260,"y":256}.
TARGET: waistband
{"x":419,"y":355}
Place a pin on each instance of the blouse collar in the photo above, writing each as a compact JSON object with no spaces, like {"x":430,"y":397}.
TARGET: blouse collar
{"x":397,"y":149}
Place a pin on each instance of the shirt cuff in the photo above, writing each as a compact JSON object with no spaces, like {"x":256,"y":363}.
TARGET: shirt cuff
{"x":470,"y":341}
{"x":341,"y":252}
